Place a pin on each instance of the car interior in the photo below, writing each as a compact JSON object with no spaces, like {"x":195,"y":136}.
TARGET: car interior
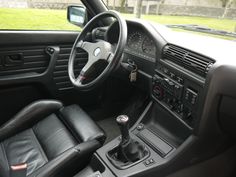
{"x":120,"y":98}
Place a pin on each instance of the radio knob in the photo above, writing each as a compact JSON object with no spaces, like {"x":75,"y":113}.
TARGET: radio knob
{"x":187,"y":115}
{"x":158,"y":92}
{"x":171,"y":83}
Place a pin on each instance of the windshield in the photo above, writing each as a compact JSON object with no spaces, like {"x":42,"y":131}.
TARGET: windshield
{"x":215,"y":18}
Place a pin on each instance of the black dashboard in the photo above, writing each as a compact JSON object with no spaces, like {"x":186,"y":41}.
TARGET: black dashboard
{"x":177,"y":69}
{"x":180,"y":71}
{"x":176,"y":88}
{"x":190,"y":84}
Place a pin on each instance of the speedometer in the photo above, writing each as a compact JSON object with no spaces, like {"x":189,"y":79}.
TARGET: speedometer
{"x":148,"y":46}
{"x":134,"y":41}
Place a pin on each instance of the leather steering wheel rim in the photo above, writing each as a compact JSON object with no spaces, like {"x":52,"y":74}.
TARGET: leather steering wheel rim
{"x":105,"y":51}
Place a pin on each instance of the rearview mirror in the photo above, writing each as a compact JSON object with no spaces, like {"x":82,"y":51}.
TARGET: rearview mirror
{"x":77,"y":15}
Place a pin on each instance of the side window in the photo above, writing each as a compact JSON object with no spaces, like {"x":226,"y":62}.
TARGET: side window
{"x":36,"y":15}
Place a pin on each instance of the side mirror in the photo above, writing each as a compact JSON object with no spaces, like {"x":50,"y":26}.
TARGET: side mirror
{"x":77,"y":15}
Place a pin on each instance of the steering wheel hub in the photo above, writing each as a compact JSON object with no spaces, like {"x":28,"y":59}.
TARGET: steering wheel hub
{"x":97,"y":51}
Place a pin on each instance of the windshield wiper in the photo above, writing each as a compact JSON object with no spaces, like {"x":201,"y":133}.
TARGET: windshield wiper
{"x":203,"y":29}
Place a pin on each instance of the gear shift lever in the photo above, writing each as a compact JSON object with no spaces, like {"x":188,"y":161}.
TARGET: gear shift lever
{"x":129,"y":150}
{"x":123,"y":123}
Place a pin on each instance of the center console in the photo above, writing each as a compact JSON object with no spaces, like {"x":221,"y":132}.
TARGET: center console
{"x":160,"y":140}
{"x":179,"y":93}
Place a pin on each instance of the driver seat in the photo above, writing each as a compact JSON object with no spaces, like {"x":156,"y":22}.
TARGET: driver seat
{"x":47,"y":139}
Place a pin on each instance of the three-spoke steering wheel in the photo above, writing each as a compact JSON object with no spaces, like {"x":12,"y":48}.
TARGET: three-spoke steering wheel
{"x":97,"y":51}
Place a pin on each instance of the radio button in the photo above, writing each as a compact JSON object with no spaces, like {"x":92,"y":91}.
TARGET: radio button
{"x":172,"y":75}
{"x":166,"y":71}
{"x":180,"y":80}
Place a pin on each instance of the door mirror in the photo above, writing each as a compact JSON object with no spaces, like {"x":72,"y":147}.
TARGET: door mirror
{"x":77,"y":15}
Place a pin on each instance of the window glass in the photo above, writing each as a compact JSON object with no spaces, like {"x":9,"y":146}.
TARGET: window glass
{"x":36,"y":15}
{"x":207,"y":17}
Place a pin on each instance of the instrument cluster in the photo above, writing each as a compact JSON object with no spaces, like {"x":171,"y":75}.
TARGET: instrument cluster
{"x":141,"y":42}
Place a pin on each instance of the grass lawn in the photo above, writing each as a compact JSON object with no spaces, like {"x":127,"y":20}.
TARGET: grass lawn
{"x":44,"y":19}
{"x":34,"y":19}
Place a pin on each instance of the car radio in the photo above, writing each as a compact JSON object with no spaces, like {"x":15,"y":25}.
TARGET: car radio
{"x":177,"y":94}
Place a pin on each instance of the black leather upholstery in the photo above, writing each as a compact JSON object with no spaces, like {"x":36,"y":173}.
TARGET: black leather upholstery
{"x":28,"y":116}
{"x":50,"y":138}
{"x":81,"y":129}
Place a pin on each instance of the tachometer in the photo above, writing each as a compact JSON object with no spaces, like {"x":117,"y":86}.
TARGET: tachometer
{"x":134,"y":40}
{"x":148,"y":46}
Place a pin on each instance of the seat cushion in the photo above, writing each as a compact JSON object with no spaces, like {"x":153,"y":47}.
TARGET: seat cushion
{"x":53,"y":136}
{"x":24,"y":148}
{"x":38,"y":145}
{"x":51,"y":144}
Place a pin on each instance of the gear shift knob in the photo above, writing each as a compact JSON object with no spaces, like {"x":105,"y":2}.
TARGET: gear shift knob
{"x":123,"y":123}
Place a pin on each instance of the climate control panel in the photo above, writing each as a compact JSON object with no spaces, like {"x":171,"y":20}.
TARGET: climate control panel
{"x":175,"y":94}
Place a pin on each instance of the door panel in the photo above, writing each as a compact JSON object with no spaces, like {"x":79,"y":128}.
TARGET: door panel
{"x":36,"y":38}
{"x":32,"y":59}
{"x":33,"y":65}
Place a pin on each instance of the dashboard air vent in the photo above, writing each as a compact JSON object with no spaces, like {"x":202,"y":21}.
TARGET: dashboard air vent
{"x":60,"y":74}
{"x":194,"y":62}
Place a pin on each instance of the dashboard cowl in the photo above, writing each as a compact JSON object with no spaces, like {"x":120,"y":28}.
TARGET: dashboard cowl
{"x":189,"y":60}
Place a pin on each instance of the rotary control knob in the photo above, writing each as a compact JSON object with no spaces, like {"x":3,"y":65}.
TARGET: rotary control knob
{"x":158,"y":91}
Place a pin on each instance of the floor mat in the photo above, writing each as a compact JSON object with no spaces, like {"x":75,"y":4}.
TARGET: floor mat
{"x":110,"y":127}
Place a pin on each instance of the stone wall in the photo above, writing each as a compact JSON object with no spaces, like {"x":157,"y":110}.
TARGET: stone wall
{"x":39,"y":4}
{"x":205,"y":3}
{"x":164,"y":9}
{"x":13,"y":4}
{"x":51,"y":4}
{"x":215,"y":12}
{"x":148,"y":7}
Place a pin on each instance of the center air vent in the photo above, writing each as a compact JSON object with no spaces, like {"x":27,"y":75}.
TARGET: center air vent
{"x":60,"y":74}
{"x":191,"y":61}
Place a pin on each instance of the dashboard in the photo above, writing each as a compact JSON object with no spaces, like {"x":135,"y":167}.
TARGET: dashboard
{"x":190,"y":81}
{"x":179,"y":71}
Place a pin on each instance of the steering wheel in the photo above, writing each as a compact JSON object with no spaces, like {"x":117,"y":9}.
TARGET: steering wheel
{"x":99,"y":50}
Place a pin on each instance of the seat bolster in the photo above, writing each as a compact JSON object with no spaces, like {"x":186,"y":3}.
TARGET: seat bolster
{"x":68,"y":160}
{"x":81,"y":125}
{"x":28,"y":116}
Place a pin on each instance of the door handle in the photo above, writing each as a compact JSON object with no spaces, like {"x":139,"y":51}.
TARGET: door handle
{"x":13,"y":60}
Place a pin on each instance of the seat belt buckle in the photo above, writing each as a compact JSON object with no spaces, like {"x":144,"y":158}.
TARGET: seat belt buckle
{"x":19,"y":170}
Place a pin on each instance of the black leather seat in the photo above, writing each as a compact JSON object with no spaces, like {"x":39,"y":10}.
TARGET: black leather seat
{"x":50,"y":139}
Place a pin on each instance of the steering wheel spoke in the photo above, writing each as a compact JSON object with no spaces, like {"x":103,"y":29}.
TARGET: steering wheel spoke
{"x":87,"y":67}
{"x":79,"y":80}
{"x":87,"y":46}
